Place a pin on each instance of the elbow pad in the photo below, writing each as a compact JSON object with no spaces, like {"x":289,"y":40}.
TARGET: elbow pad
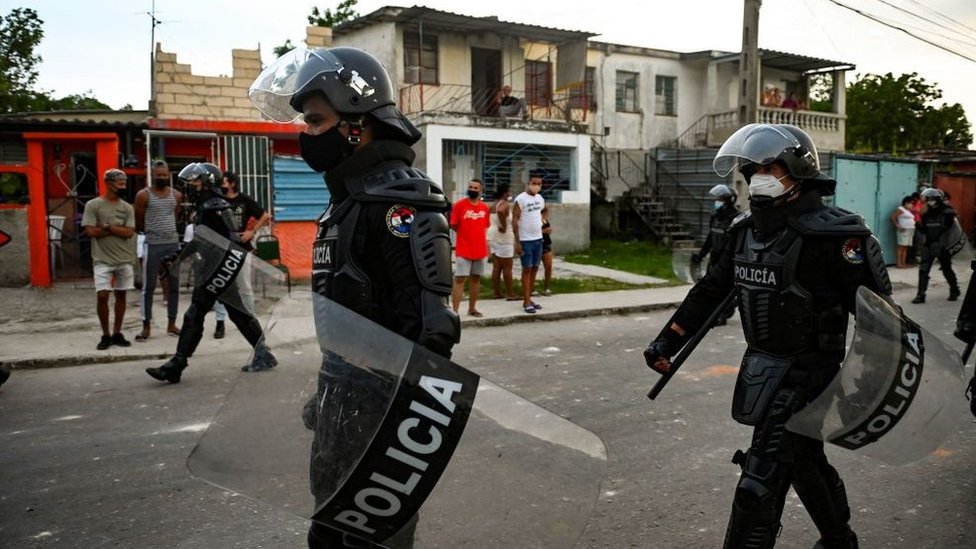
{"x":430,"y":244}
{"x":441,"y":325}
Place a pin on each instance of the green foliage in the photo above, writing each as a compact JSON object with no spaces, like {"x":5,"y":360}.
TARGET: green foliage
{"x":633,"y":256}
{"x":20,"y":33}
{"x":892,"y":115}
{"x":343,"y":12}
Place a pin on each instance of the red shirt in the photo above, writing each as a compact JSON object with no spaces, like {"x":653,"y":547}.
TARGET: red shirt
{"x":471,"y":222}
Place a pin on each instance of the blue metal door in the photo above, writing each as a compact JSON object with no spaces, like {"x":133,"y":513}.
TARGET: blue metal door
{"x":299,"y":193}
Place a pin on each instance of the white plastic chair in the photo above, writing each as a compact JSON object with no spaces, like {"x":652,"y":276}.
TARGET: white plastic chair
{"x":55,"y":226}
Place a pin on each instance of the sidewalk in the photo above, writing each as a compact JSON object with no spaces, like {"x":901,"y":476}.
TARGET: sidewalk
{"x":56,"y":327}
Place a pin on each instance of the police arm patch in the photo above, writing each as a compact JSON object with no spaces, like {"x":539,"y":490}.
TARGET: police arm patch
{"x":399,"y":219}
{"x":853,"y":251}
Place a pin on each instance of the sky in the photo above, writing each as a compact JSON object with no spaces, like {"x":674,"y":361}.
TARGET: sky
{"x":103,"y":46}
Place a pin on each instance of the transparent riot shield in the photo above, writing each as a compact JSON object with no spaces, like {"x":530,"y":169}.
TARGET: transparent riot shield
{"x":373,"y":435}
{"x":894,"y":398}
{"x":684,"y":268}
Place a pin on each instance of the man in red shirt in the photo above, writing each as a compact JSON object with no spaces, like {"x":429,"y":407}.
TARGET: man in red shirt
{"x":470,"y":219}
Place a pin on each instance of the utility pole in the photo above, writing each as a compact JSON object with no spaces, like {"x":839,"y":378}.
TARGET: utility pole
{"x":152,"y":59}
{"x":749,"y":64}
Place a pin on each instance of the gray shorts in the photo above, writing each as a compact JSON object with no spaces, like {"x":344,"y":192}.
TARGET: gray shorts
{"x":469,"y":267}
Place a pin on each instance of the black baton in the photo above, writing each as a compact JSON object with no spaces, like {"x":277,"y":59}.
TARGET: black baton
{"x":690,"y":345}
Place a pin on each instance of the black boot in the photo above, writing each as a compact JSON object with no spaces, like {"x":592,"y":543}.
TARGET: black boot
{"x":219,"y":331}
{"x":849,"y":543}
{"x":954,"y":293}
{"x":263,"y":359}
{"x":4,"y":374}
{"x":920,"y":298}
{"x":171,"y":371}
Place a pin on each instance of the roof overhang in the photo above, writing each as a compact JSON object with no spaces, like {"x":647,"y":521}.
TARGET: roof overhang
{"x":442,"y":21}
{"x":791,"y":62}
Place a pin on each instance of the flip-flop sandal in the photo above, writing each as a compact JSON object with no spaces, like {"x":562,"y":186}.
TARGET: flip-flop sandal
{"x":513,"y":298}
{"x":141,"y":338}
{"x":475,"y":313}
{"x":174,"y":334}
{"x":529,"y":309}
{"x":537,"y":306}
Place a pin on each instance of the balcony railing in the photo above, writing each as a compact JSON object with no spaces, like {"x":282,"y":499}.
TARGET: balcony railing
{"x":464,"y":100}
{"x":826,"y":128}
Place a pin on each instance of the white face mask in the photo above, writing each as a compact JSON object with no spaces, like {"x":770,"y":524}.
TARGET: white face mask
{"x":767,"y":185}
{"x":719,"y":204}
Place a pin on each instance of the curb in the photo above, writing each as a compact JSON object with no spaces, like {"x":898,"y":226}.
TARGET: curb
{"x":86,"y":360}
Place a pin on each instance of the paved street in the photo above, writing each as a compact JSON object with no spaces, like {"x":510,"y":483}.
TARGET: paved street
{"x":94,"y":456}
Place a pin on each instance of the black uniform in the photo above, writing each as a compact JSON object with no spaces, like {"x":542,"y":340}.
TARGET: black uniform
{"x":213,"y":212}
{"x":966,"y":330}
{"x":717,"y":238}
{"x":795,"y":288}
{"x":935,"y":222}
{"x":383,"y":251}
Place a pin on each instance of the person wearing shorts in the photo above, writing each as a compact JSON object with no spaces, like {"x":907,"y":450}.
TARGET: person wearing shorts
{"x":502,"y":241}
{"x":470,"y":221}
{"x":528,"y":215}
{"x":110,"y":222}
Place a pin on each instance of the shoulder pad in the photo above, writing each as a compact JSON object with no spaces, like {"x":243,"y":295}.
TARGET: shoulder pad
{"x":215,"y":203}
{"x":744,"y":219}
{"x":401,"y":184}
{"x":830,"y":221}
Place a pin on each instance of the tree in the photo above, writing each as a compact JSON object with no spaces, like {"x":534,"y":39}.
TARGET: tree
{"x":343,"y":12}
{"x":889,"y":114}
{"x":20,"y":33}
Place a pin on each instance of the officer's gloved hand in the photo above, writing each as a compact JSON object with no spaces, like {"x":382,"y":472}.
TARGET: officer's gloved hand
{"x":166,"y":263}
{"x":658,"y":354}
{"x":310,"y":413}
{"x":965,"y":331}
{"x":971,"y":395}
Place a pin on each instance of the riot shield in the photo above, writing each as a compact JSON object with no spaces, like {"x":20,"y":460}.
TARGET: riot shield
{"x":373,"y":435}
{"x":893,"y":397}
{"x":684,"y":268}
{"x":235,"y":276}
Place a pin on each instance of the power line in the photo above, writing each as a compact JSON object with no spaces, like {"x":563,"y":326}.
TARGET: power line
{"x":936,"y":23}
{"x":896,"y":27}
{"x":946,"y":17}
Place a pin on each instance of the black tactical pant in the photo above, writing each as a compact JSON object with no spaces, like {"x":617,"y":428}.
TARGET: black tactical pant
{"x":776,"y":460}
{"x":930,"y":255}
{"x":201,"y":303}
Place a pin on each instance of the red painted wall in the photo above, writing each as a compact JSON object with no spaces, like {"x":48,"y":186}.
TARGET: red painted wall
{"x":295,"y":240}
{"x":962,"y":196}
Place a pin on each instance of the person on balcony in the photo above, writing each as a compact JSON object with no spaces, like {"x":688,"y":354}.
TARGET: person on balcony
{"x":791,"y":102}
{"x":509,"y":105}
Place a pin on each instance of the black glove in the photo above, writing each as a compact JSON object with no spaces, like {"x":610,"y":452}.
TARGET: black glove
{"x":665,"y":346}
{"x":166,"y":263}
{"x":695,"y":258}
{"x":965,"y":331}
{"x":310,"y":412}
{"x":970,"y":393}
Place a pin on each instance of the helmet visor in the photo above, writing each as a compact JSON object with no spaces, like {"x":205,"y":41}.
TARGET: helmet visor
{"x":755,"y":143}
{"x":273,"y":89}
{"x":192,"y":171}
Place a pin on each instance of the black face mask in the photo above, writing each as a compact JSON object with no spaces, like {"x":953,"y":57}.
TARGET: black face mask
{"x":160,"y":183}
{"x":473,"y":195}
{"x":325,"y":151}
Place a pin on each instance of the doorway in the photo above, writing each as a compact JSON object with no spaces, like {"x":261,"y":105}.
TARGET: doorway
{"x":486,"y":80}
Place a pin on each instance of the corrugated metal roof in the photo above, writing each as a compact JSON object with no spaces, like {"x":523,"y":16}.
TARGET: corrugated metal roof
{"x":454,"y":22}
{"x":790,"y":61}
{"x":299,"y":193}
{"x":84,"y":118}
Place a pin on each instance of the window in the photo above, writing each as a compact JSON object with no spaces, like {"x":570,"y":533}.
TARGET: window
{"x":419,"y":58}
{"x":13,"y":188}
{"x":538,"y":83}
{"x":665,"y":101}
{"x":585,"y":97}
{"x":627,"y":91}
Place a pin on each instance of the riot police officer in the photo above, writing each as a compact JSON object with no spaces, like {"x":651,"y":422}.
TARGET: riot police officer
{"x":213,"y":212}
{"x":937,"y":218}
{"x":383,"y":243}
{"x":716,"y":241}
{"x":794,"y":265}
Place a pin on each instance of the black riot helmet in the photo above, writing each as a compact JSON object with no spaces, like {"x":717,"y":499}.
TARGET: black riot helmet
{"x":764,"y":144}
{"x":208,"y":174}
{"x":352,"y":81}
{"x":933,"y":197}
{"x":722,"y":192}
